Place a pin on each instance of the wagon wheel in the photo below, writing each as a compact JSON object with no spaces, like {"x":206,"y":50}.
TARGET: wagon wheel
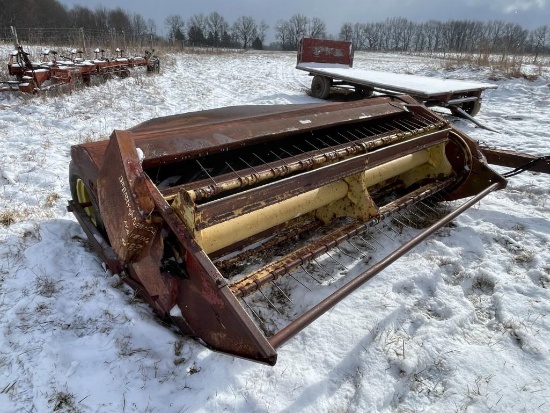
{"x":320,"y":86}
{"x":471,"y":108}
{"x":80,"y":193}
{"x":364,"y":91}
{"x":154,"y":66}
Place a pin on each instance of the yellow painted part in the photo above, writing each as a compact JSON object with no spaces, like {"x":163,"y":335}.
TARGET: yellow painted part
{"x":347,"y":197}
{"x":84,"y":198}
{"x":227,"y":233}
{"x":396,"y":167}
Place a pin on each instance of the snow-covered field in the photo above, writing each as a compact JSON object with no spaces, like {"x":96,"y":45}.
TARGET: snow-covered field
{"x":462,"y":323}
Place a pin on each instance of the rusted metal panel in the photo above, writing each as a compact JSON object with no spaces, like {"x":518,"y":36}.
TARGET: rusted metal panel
{"x":514,"y":159}
{"x":325,"y":51}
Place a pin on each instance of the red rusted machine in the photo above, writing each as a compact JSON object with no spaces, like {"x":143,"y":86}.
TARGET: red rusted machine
{"x":244,"y":224}
{"x":33,"y":77}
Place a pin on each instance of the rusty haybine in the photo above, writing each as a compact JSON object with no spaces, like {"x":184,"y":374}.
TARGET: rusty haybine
{"x":228,"y":221}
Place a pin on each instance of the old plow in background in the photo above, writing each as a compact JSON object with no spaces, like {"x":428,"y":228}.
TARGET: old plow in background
{"x":54,"y":71}
{"x":244,"y":224}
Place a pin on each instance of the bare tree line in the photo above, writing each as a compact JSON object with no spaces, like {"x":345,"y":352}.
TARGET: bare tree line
{"x":213,"y":30}
{"x":456,"y":36}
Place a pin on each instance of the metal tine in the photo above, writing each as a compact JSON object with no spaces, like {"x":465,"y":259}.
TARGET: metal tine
{"x":235,"y":172}
{"x":403,"y":125}
{"x":415,"y":206}
{"x":382,"y":232}
{"x":343,"y":136}
{"x":424,"y":120}
{"x":311,"y":275}
{"x":334,"y":140}
{"x":425,"y":204}
{"x":372,"y":238}
{"x":402,"y":223}
{"x":269,"y":301}
{"x":298,"y":149}
{"x":300,"y":161}
{"x":417,"y":216}
{"x":336,"y":261}
{"x":391,"y":228}
{"x":406,"y":218}
{"x":249,"y":165}
{"x":327,"y":145}
{"x":345,"y":253}
{"x":350,"y":135}
{"x":206,"y":172}
{"x":252,"y":310}
{"x":261,"y":160}
{"x":357,"y":248}
{"x":278,"y":157}
{"x":323,"y":269}
{"x":366,"y":242}
{"x":299,"y":282}
{"x":282,"y":292}
{"x":369,"y":133}
{"x":415,"y":125}
{"x":315,"y":147}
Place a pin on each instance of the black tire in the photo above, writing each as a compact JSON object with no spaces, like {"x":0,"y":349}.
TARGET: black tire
{"x":81,"y":193}
{"x":471,"y":108}
{"x":320,"y":86}
{"x":363,"y":91}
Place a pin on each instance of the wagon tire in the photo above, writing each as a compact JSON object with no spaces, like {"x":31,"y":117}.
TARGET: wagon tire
{"x":320,"y":86}
{"x":80,"y":193}
{"x":364,"y":92}
{"x":471,"y":108}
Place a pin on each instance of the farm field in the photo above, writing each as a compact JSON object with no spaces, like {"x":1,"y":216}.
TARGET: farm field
{"x":460,"y":324}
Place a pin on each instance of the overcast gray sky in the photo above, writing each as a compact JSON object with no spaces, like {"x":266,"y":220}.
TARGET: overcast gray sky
{"x":529,"y":13}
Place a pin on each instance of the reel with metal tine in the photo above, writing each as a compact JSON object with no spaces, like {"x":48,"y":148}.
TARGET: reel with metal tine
{"x":282,"y":292}
{"x":323,"y":269}
{"x":252,"y":310}
{"x":336,"y":261}
{"x":299,"y":282}
{"x":417,"y":216}
{"x":345,"y":253}
{"x":249,"y":165}
{"x":269,"y":301}
{"x":432,"y":205}
{"x":415,"y":206}
{"x":235,"y":172}
{"x":206,"y":172}
{"x":382,"y":232}
{"x":425,"y":205}
{"x":390,"y":227}
{"x":373,"y":239}
{"x":399,"y":222}
{"x":361,"y":253}
{"x":411,"y":225}
{"x":311,"y":275}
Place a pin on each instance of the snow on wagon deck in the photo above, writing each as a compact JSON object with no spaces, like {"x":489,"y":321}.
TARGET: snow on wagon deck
{"x":421,"y":86}
{"x":330,"y":62}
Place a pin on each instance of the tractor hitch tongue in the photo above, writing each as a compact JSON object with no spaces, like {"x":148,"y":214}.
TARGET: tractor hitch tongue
{"x":244,"y":224}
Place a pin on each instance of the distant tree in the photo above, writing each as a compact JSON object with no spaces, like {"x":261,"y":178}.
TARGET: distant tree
{"x":216,"y":26}
{"x":262,"y":28}
{"x":346,"y":32}
{"x":175,"y":24}
{"x":282,"y":34}
{"x":196,"y":30}
{"x":257,"y":44}
{"x":245,"y":30}
{"x":317,"y":28}
{"x":539,"y":38}
{"x":297,"y":29}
